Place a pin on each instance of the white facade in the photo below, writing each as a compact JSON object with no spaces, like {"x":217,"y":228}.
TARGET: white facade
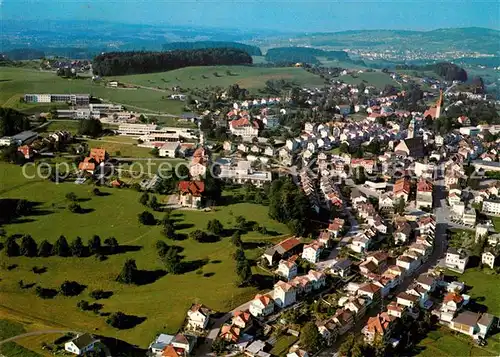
{"x":491,"y":207}
{"x":488,"y":259}
{"x":169,"y":150}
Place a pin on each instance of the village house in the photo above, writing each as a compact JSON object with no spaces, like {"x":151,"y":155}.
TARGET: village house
{"x":456,"y":259}
{"x":401,"y":189}
{"x":452,"y":303}
{"x":297,"y":352}
{"x":284,"y":294}
{"x":317,"y":279}
{"x":95,"y":158}
{"x":27,"y":151}
{"x":311,"y":252}
{"x":344,"y":320}
{"x":424,"y":194}
{"x":169,"y":149}
{"x":370,"y":290}
{"x":191,"y":193}
{"x":242,"y":319}
{"x":261,"y":305}
{"x":199,"y":163}
{"x":230,"y":333}
{"x":287,"y":268}
{"x":245,"y":128}
{"x":282,"y":250}
{"x":489,"y":258}
{"x":198,"y":317}
{"x":380,"y":326}
{"x":81,"y":344}
{"x":396,"y":310}
{"x":342,"y":268}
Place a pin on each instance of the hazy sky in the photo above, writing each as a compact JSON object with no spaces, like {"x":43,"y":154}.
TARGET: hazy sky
{"x":291,"y":15}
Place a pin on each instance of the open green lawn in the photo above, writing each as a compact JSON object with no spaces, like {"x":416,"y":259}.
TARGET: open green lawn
{"x":162,"y":302}
{"x":8,"y":329}
{"x":485,"y":287}
{"x":15,"y":82}
{"x":199,"y":77}
{"x":125,"y":145}
{"x":283,"y":344}
{"x":376,"y":79}
{"x":446,"y":343}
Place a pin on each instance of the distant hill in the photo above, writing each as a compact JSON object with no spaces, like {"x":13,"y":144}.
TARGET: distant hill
{"x":196,"y":45}
{"x":460,"y":39}
{"x":303,"y":55}
{"x":24,"y":54}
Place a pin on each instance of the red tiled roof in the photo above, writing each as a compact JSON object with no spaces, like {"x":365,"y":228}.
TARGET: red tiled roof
{"x":243,"y":315}
{"x":98,"y":154}
{"x":169,"y":351}
{"x":457,"y":298}
{"x":289,"y":243}
{"x":402,"y":185}
{"x":264,"y":299}
{"x":424,"y":186}
{"x":243,"y":122}
{"x":195,"y":188}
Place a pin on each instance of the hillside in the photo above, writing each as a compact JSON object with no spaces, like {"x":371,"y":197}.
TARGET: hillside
{"x":195,"y":45}
{"x":458,"y":39}
{"x":248,"y":77}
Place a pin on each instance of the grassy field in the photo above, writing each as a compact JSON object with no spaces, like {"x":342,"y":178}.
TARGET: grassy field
{"x":125,"y":145}
{"x":9,"y":328}
{"x":162,"y":302}
{"x":15,"y":82}
{"x":484,"y":287}
{"x":199,"y":77}
{"x":283,"y":344}
{"x":376,"y":79}
{"x":446,"y":343}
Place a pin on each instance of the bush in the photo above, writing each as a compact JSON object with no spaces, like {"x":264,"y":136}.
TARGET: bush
{"x":71,"y":288}
{"x":198,"y":235}
{"x":147,"y":218}
{"x":74,"y":207}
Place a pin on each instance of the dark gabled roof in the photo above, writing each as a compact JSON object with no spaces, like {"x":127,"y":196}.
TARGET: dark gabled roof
{"x":84,"y":340}
{"x":467,"y":318}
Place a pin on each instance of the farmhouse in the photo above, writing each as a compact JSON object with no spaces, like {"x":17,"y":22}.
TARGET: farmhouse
{"x":282,"y":250}
{"x":81,"y":344}
{"x":198,"y":317}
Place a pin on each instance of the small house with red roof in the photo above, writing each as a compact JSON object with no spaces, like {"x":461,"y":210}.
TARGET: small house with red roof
{"x":96,"y":157}
{"x":261,"y":305}
{"x":198,"y":317}
{"x":424,"y":193}
{"x":230,"y":333}
{"x":283,"y":250}
{"x":381,"y":325}
{"x":191,"y":193}
{"x":26,"y":151}
{"x":287,"y":268}
{"x":242,"y":319}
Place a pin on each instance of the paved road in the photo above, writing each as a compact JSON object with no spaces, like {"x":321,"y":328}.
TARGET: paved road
{"x":440,"y":244}
{"x":206,"y":348}
{"x":48,"y":332}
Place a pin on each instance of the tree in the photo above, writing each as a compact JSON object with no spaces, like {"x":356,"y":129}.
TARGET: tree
{"x":241,"y":222}
{"x":161,"y":248}
{"x":360,"y":176}
{"x":71,"y":196}
{"x":90,"y":127}
{"x":153,"y":203}
{"x":61,"y":247}
{"x":310,"y":339}
{"x":77,"y":248}
{"x":344,"y":148}
{"x":129,"y":272}
{"x":214,"y":226}
{"x":169,"y":231}
{"x":22,"y":207}
{"x":94,"y":244}
{"x":44,"y":249}
{"x":112,"y":244}
{"x":155,"y":152}
{"x":83,"y":305}
{"x":198,"y":235}
{"x":144,"y":199}
{"x":28,"y":246}
{"x":11,"y":247}
{"x":96,"y":192}
{"x":346,"y":347}
{"x":236,"y":239}
{"x":70,"y":288}
{"x":244,"y":271}
{"x":74,"y":207}
{"x":172,"y":261}
{"x":400,"y":206}
{"x":118,"y":320}
{"x":147,"y":218}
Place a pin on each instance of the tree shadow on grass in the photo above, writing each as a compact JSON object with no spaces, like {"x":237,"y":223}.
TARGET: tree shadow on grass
{"x":39,"y":270}
{"x":106,"y":250}
{"x":208,"y":275}
{"x":475,"y":306}
{"x":216,"y":261}
{"x":121,"y":348}
{"x":145,"y":277}
{"x":85,"y":210}
{"x":193,"y":265}
{"x":45,"y":293}
{"x":183,"y":225}
{"x":263,"y":281}
{"x":252,"y":245}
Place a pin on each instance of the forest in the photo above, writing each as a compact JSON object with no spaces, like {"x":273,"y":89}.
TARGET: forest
{"x":196,"y":45}
{"x":123,"y":63}
{"x":449,"y":71}
{"x":303,"y":55}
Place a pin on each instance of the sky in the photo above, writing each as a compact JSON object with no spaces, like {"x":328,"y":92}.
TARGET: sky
{"x":280,"y":15}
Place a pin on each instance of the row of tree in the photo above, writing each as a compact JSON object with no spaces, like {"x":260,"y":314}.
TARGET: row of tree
{"x":61,"y":248}
{"x":196,"y":45}
{"x":289,"y":205}
{"x":120,"y":63}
